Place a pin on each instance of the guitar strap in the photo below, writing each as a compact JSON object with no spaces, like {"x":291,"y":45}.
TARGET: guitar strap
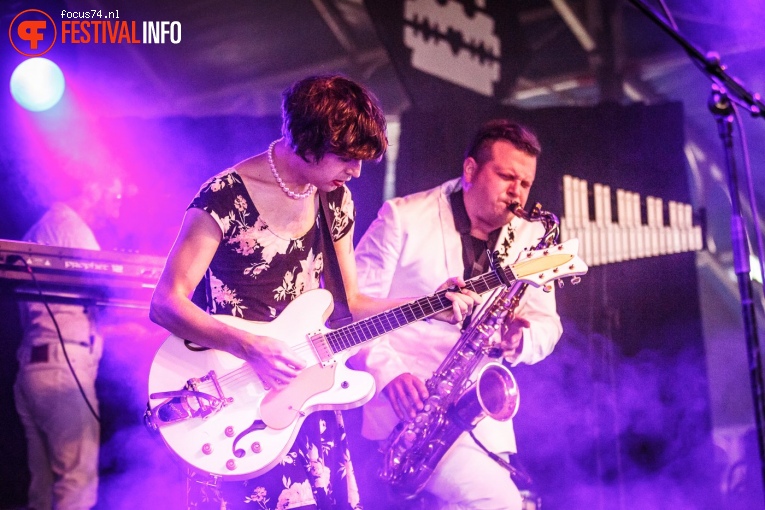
{"x":331,"y":276}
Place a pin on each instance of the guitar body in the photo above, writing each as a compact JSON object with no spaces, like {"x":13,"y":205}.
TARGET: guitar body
{"x":226,"y":423}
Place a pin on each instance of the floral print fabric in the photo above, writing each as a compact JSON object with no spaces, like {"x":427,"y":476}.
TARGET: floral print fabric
{"x":316,"y":473}
{"x":255,"y":274}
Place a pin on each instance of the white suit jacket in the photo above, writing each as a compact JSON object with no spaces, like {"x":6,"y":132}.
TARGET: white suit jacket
{"x":410,"y":249}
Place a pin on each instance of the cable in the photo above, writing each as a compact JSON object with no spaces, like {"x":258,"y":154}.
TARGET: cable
{"x":60,"y":339}
{"x":516,"y":474}
{"x":668,"y":14}
{"x":750,"y":195}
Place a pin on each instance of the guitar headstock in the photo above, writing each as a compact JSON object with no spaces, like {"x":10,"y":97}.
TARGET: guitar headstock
{"x":540,"y":267}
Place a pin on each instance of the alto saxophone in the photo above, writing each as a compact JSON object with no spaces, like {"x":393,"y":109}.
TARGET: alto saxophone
{"x":456,"y":404}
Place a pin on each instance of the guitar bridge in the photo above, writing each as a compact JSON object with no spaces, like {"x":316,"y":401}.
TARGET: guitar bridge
{"x":186,"y":403}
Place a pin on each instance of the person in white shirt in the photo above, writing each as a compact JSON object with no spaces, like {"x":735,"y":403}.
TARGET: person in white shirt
{"x":412,"y":245}
{"x":61,"y":427}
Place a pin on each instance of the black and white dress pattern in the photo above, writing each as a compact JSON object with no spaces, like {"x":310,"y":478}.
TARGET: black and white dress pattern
{"x":255,"y":274}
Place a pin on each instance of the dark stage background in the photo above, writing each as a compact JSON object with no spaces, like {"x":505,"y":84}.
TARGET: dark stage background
{"x":617,"y":417}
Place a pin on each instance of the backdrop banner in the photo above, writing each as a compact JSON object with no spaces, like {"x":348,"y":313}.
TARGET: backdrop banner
{"x":451,"y":52}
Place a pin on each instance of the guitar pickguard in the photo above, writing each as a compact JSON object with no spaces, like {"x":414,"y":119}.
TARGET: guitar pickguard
{"x":280,"y":408}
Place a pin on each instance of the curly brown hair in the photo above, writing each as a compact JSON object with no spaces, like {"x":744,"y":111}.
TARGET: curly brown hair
{"x":333,"y":114}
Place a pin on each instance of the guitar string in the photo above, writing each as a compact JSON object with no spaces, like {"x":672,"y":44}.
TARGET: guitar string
{"x":245,"y":372}
{"x":369,"y":328}
{"x":347,"y":336}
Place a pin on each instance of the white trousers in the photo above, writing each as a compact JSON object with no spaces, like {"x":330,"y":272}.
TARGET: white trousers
{"x":466,"y":478}
{"x":62,"y":434}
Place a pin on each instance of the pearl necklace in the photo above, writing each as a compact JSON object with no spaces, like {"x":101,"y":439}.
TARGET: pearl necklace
{"x":295,"y":196}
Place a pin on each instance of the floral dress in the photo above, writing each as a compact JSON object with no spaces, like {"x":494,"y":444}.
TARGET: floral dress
{"x":255,"y":274}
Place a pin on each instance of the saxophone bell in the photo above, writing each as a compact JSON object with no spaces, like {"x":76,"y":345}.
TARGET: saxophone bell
{"x":495,"y":394}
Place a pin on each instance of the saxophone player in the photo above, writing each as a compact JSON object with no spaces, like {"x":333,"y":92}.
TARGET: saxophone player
{"x":415,"y":242}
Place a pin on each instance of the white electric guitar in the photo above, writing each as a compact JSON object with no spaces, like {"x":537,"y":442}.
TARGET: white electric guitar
{"x":213,"y":411}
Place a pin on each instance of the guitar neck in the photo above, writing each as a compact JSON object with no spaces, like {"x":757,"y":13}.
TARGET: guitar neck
{"x":377,"y":325}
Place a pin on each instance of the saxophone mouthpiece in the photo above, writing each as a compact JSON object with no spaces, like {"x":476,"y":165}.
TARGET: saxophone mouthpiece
{"x":515,"y":208}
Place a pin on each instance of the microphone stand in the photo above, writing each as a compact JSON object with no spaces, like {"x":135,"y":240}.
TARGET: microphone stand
{"x":724,"y":86}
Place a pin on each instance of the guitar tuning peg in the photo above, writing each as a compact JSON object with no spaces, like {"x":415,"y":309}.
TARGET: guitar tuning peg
{"x":547,"y":287}
{"x":575,"y":280}
{"x":560,"y":283}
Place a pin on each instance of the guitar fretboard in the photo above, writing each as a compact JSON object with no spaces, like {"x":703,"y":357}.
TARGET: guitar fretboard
{"x":372,"y":327}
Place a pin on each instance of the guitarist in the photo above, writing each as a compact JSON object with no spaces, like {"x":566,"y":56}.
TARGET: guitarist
{"x":252,"y":236}
{"x":464,"y":216}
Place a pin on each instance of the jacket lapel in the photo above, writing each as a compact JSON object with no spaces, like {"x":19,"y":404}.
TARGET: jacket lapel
{"x":451,"y":238}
